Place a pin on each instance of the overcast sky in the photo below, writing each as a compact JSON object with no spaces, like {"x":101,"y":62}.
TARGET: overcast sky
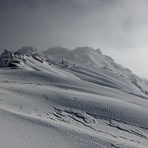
{"x":118,"y":27}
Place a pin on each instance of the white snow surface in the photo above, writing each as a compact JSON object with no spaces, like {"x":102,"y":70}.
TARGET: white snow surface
{"x":70,"y":99}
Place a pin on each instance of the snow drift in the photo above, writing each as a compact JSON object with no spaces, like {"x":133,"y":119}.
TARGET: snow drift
{"x":62,"y":98}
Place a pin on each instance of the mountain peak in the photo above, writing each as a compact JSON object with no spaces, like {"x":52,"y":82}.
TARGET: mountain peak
{"x":85,"y":48}
{"x":28,"y":50}
{"x":99,"y":51}
{"x":56,"y":50}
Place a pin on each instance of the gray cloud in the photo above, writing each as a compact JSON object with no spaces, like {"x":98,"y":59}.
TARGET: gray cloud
{"x":105,"y":23}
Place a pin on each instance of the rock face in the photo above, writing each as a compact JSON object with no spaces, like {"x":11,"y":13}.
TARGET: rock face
{"x":11,"y":59}
{"x":19,"y":58}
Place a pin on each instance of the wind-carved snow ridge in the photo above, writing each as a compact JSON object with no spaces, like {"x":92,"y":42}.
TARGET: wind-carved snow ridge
{"x":65,"y":98}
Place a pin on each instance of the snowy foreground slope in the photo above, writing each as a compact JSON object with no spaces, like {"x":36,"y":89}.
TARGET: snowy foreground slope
{"x":70,"y":99}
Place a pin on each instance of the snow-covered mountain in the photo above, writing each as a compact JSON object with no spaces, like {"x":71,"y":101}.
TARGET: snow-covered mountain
{"x":70,"y":99}
{"x":87,"y":58}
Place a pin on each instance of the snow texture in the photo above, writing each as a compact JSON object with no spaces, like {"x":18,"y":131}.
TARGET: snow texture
{"x":70,"y":99}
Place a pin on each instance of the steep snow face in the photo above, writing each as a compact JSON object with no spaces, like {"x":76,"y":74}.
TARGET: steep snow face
{"x":87,"y":55}
{"x":72,"y":102}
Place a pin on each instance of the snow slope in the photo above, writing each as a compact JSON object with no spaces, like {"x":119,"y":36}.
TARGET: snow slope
{"x":70,"y":102}
{"x":91,"y":60}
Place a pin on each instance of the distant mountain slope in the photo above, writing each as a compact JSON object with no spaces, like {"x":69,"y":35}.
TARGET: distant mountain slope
{"x":94,"y":60}
{"x":83,"y":62}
